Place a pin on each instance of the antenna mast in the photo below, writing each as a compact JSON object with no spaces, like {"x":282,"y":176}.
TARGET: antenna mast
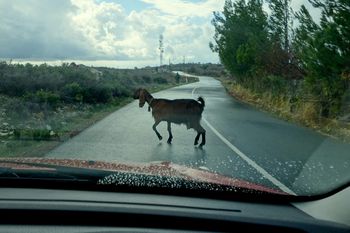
{"x":161,"y":50}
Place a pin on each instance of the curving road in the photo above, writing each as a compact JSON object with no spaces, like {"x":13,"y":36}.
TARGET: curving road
{"x":242,"y":142}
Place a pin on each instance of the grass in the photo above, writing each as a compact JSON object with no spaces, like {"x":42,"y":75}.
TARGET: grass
{"x":303,"y":113}
{"x":38,"y":148}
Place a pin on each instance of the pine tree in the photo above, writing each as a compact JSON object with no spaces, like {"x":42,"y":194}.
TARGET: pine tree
{"x":324,"y":52}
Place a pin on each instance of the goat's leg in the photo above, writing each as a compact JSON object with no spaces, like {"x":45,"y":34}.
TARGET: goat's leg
{"x":203,"y":139}
{"x":200,"y":131}
{"x":155,"y":130}
{"x":170,"y":134}
{"x":197,"y":138}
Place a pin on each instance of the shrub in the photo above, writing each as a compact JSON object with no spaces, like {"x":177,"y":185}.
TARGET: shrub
{"x":97,"y":94}
{"x":160,"y":80}
{"x":121,"y":91}
{"x":177,"y":78}
{"x":32,"y":134}
{"x":146,"y":79}
{"x":43,"y":97}
{"x":275,"y":85}
{"x":72,"y":92}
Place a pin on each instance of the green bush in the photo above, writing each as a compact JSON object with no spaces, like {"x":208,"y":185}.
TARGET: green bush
{"x":177,"y":78}
{"x":275,"y":85}
{"x":15,"y":109}
{"x":72,"y":92}
{"x":146,"y":79}
{"x":32,"y":134}
{"x":45,"y":87}
{"x":121,"y":91}
{"x":161,"y":80}
{"x":41,"y":134}
{"x":97,"y":94}
{"x":43,"y":97}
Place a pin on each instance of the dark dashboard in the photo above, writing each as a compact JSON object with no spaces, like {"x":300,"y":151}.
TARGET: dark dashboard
{"x":50,"y":210}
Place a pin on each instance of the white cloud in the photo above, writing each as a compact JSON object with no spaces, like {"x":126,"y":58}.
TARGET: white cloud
{"x":115,"y":35}
{"x":87,"y":29}
{"x":30,"y":29}
{"x":100,"y":30}
{"x":183,"y":8}
{"x":101,"y":25}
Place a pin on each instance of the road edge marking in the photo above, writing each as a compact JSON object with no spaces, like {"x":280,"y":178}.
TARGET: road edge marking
{"x":250,"y":161}
{"x":194,"y":89}
{"x":261,"y":170}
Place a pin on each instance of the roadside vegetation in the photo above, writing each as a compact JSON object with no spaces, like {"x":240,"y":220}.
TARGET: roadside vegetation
{"x":302,"y":112}
{"x":43,"y":106}
{"x":287,"y":63}
{"x":207,"y":69}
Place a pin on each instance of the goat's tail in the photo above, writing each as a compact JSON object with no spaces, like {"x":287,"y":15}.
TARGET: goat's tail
{"x":201,"y":100}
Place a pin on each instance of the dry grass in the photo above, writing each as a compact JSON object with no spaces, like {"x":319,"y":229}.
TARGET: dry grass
{"x":304,"y":113}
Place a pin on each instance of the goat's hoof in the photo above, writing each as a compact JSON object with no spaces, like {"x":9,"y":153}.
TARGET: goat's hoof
{"x":169,"y":142}
{"x":195,"y":143}
{"x":160,"y":138}
{"x":201,"y":145}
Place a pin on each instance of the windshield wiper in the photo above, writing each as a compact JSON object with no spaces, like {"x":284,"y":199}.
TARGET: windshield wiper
{"x":43,"y":171}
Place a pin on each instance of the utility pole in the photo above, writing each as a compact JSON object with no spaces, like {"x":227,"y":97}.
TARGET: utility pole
{"x":161,"y":50}
{"x":183,"y":62}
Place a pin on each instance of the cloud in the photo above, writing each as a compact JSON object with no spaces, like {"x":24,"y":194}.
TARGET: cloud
{"x":99,"y":30}
{"x":104,"y":30}
{"x":30,"y":29}
{"x":102,"y":26}
{"x":182,"y":8}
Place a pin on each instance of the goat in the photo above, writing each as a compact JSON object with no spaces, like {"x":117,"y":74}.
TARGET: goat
{"x":179,"y":111}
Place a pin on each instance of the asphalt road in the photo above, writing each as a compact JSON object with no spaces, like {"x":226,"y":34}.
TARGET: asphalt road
{"x":242,"y":142}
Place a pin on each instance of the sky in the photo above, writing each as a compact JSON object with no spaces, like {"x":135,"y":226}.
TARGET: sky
{"x":117,"y":33}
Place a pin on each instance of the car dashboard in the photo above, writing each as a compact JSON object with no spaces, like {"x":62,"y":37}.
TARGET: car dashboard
{"x":52,"y":210}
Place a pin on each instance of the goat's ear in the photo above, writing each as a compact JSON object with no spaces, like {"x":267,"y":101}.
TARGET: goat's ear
{"x":142,"y":98}
{"x":137,"y":93}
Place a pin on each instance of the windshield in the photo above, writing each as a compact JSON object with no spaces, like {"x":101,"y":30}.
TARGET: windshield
{"x":241,"y":93}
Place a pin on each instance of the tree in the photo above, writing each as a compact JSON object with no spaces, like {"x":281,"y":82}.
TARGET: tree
{"x":324,"y":52}
{"x":241,"y":36}
{"x":280,"y":59}
{"x":280,"y":22}
{"x":177,"y":78}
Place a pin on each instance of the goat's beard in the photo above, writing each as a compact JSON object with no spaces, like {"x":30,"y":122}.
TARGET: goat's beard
{"x":141,"y":104}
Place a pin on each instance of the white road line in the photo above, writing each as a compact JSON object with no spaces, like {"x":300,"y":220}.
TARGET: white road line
{"x":250,"y":162}
{"x":194,"y":89}
{"x":247,"y":159}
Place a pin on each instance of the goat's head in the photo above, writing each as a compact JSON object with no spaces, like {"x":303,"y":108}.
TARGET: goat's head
{"x":140,"y":94}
